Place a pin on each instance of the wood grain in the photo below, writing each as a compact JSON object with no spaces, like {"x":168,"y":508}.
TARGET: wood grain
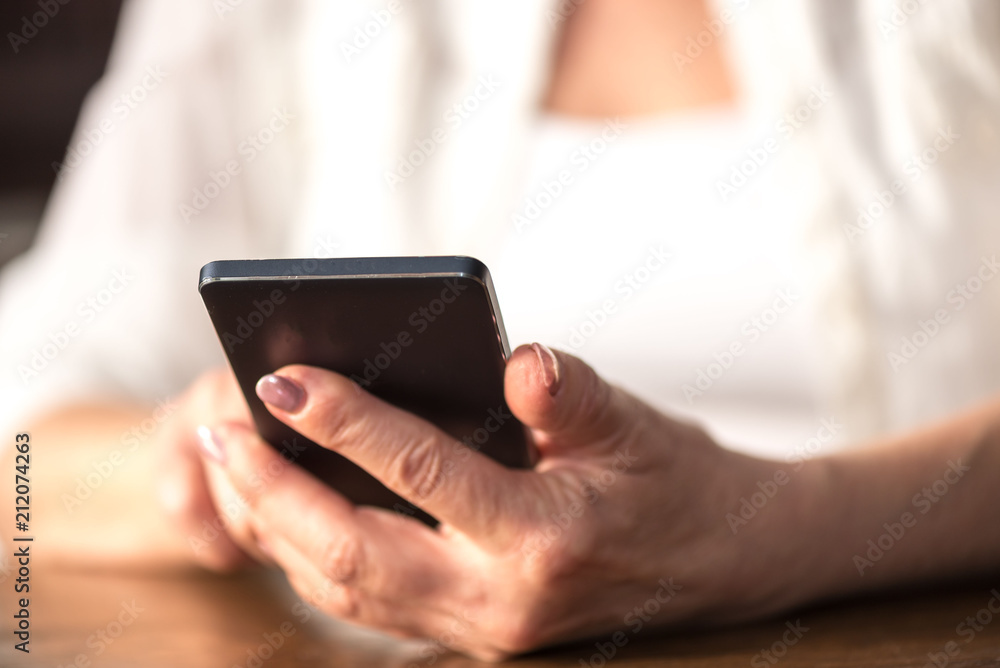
{"x":195,"y":620}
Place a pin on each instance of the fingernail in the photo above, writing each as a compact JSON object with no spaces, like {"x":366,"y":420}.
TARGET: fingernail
{"x":211,"y":445}
{"x":550,"y":367}
{"x":281,"y":392}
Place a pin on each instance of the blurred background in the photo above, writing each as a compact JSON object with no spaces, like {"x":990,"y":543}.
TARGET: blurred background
{"x":848,"y":95}
{"x":44,"y":83}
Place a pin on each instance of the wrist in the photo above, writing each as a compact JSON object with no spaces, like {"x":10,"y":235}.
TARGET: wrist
{"x":821,"y":524}
{"x":787,"y":527}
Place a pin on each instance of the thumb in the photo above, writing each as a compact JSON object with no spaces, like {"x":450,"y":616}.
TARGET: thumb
{"x":564,"y":401}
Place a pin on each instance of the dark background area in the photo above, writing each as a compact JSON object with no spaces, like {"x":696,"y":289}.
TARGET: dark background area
{"x":42,"y":86}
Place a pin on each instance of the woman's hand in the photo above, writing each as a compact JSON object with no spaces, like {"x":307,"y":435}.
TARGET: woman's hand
{"x":621,"y":525}
{"x":205,"y":509}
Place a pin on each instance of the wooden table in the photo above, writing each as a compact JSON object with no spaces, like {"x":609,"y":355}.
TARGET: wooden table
{"x":203,"y":620}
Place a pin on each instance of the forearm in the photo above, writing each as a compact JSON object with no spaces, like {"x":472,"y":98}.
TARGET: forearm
{"x":93,"y":491}
{"x":924,"y":505}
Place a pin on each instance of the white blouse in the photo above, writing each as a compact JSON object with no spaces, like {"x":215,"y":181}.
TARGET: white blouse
{"x":633,"y":261}
{"x":742,"y":302}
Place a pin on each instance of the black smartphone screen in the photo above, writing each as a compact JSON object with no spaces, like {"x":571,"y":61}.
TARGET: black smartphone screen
{"x":424,"y":334}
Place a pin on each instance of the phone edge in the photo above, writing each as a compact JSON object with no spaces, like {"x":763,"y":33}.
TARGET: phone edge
{"x":374,"y":267}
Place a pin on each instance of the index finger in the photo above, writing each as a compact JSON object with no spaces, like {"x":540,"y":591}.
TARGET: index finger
{"x":412,"y":457}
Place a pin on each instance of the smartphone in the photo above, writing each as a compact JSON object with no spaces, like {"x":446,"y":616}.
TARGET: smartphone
{"x":422,"y":333}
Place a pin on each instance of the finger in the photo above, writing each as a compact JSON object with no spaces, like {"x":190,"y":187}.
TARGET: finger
{"x":569,"y":407}
{"x":417,"y":460}
{"x":184,"y":493}
{"x":320,"y":592}
{"x":352,"y":547}
{"x":233,"y":512}
{"x":311,"y":584}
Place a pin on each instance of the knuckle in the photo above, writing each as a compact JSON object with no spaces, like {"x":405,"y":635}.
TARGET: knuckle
{"x":558,"y":554}
{"x":335,"y":418}
{"x":327,"y":596}
{"x":419,"y":467}
{"x":343,"y":560}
